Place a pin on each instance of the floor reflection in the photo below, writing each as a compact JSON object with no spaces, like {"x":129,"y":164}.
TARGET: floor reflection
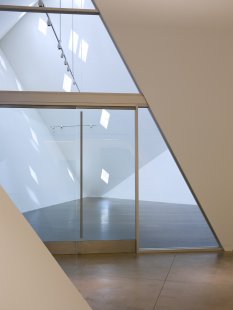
{"x":162,"y":225}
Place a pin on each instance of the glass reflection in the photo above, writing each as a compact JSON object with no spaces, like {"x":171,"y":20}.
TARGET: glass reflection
{"x":169,"y":214}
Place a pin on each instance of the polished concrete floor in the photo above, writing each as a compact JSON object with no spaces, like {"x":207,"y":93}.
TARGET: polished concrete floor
{"x":162,"y":225}
{"x":152,"y":281}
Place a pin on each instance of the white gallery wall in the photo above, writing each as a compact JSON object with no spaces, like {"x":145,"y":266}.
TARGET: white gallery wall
{"x":34,"y":173}
{"x":159,"y":181}
{"x":180,"y":53}
{"x":8,"y":78}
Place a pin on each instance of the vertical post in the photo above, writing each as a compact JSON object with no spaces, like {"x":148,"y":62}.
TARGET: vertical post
{"x":81,"y":174}
{"x":136,"y":182}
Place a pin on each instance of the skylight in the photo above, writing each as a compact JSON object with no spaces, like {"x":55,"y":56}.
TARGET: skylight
{"x":42,"y":26}
{"x":83,"y":50}
{"x":67,"y":83}
{"x":33,"y":174}
{"x":105,"y":176}
{"x":34,"y":136}
{"x":104,"y":120}
{"x":70,"y":174}
{"x":2,"y":63}
{"x":73,"y":42}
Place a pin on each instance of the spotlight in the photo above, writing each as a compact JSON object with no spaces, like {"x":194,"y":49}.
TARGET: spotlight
{"x":59,"y":45}
{"x":49,"y":22}
{"x":68,"y":68}
{"x":62,"y":54}
{"x":65,"y":62}
{"x":40,"y":3}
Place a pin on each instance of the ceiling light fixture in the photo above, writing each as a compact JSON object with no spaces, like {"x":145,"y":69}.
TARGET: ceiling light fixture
{"x":40,"y":3}
{"x":49,"y":23}
{"x":59,"y":46}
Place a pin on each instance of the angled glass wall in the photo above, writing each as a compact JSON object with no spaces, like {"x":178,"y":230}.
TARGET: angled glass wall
{"x":108,"y":159}
{"x":74,"y":53}
{"x":37,"y":169}
{"x":74,"y":4}
{"x":40,"y":169}
{"x":169,"y":214}
{"x":59,"y":52}
{"x":64,"y":198}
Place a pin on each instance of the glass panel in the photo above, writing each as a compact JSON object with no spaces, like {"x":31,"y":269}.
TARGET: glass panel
{"x":39,"y":170}
{"x":109,"y":174}
{"x":59,"y":52}
{"x":169,"y":215}
{"x":76,"y":4}
{"x":17,"y":2}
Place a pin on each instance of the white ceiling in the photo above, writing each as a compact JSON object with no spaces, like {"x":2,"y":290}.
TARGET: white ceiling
{"x":101,"y":71}
{"x":9,"y":19}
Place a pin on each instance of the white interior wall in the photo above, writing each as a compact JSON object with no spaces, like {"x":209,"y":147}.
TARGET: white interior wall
{"x":9,"y":19}
{"x":33,"y":172}
{"x":180,"y":54}
{"x":95,"y":62}
{"x":8,"y":78}
{"x":159,"y":181}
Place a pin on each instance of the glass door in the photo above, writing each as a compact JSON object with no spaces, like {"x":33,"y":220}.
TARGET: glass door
{"x":39,"y":171}
{"x":108,"y":180}
{"x":71,"y":172}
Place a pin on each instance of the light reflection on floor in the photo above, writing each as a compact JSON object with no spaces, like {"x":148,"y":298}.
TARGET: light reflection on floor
{"x":162,"y":225}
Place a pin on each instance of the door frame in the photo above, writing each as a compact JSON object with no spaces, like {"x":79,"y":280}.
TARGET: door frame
{"x":25,"y":99}
{"x":34,"y":99}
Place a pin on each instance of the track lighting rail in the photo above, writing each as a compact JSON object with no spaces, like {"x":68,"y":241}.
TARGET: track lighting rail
{"x":59,"y":45}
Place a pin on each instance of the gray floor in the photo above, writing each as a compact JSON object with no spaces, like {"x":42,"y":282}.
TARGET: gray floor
{"x":162,"y":225}
{"x":152,"y":281}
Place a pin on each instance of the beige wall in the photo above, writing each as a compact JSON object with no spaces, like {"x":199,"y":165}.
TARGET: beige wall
{"x":181,"y":55}
{"x":30,"y":278}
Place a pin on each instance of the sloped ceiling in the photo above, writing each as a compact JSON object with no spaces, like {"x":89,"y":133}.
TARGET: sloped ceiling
{"x":180,"y":54}
{"x":9,"y":19}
